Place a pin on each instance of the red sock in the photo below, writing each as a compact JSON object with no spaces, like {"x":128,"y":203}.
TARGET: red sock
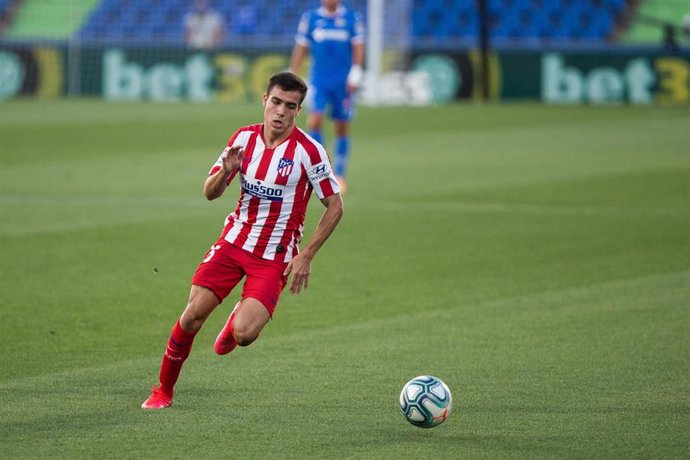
{"x":177,"y":351}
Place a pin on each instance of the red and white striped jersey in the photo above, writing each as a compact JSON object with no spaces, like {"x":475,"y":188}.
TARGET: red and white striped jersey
{"x":275,"y":187}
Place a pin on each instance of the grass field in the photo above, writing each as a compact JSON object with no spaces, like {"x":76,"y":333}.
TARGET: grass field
{"x":537,"y":259}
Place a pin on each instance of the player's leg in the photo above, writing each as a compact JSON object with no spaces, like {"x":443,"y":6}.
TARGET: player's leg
{"x":317,"y":105}
{"x":343,"y":111}
{"x":202,"y":301}
{"x":243,"y":327}
{"x":315,"y":126}
{"x":341,"y":149}
{"x":213,"y":280}
{"x":250,"y":318}
{"x":262,"y":288}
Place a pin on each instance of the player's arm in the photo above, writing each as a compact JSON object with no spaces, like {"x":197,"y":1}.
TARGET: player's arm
{"x":300,"y":266}
{"x":356,"y":74}
{"x":358,"y":54}
{"x":298,"y":54}
{"x":216,"y":183}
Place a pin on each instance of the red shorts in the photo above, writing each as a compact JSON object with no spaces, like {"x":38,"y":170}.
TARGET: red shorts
{"x":225,"y":265}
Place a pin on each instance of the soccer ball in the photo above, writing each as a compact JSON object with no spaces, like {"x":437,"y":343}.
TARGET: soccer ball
{"x":425,"y":401}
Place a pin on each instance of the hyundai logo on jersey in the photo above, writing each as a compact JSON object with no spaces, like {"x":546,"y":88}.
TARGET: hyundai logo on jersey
{"x":264,"y":192}
{"x":318,"y":172}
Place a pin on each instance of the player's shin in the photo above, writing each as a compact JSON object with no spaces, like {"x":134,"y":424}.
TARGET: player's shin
{"x":178,"y":348}
{"x":342,"y":153}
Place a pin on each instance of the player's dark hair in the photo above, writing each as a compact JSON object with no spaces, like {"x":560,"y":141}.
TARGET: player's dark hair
{"x":288,"y":81}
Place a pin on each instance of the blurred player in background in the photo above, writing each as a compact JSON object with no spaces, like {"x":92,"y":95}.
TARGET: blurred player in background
{"x":335,"y":37}
{"x":204,"y":27}
{"x":278,"y":167}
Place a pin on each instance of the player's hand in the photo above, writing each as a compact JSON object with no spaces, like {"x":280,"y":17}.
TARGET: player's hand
{"x":232,"y":158}
{"x":300,"y":267}
{"x":354,"y":78}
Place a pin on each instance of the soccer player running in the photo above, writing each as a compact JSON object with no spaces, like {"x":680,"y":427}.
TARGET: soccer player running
{"x":335,"y":37}
{"x":279,"y":166}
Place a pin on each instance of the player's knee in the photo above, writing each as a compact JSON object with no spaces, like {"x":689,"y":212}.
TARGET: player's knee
{"x":245,"y":335}
{"x":315,"y":123}
{"x":191,"y":323}
{"x":201,"y":303}
{"x":192,"y":319}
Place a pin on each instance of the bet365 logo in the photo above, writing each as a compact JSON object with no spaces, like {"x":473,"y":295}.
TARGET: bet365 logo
{"x":637,"y":80}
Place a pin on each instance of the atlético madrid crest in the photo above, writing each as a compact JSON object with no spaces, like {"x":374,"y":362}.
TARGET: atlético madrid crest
{"x":285,"y":167}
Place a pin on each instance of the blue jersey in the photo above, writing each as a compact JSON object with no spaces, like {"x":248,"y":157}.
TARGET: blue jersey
{"x":330,"y":37}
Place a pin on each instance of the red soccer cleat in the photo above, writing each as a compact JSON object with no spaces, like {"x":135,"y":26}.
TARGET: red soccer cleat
{"x":157,"y":400}
{"x":225,"y":342}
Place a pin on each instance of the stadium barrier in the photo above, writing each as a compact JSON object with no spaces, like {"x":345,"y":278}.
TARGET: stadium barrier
{"x":607,"y":76}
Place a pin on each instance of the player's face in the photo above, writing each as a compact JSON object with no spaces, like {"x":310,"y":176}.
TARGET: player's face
{"x":330,"y":5}
{"x":280,"y":111}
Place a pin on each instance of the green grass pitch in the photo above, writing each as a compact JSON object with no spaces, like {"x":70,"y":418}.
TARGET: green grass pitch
{"x":535,"y":258}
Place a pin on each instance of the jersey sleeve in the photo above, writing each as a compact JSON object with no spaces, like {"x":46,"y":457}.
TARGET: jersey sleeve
{"x":358,"y":32}
{"x":303,"y":32}
{"x":320,"y":172}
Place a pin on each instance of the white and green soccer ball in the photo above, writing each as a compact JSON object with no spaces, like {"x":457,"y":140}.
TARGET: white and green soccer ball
{"x":425,"y":401}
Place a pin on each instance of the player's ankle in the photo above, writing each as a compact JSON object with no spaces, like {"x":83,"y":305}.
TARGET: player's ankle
{"x":167,"y":390}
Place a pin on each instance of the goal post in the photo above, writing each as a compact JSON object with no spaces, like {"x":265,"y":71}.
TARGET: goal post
{"x":389,"y":78}
{"x":374,"y":50}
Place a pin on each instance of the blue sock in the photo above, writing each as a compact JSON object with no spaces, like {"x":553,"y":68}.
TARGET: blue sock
{"x":342,"y":152}
{"x":316,"y":135}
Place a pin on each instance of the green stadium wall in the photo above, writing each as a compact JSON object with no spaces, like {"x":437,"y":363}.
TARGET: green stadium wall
{"x":641,"y":77}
